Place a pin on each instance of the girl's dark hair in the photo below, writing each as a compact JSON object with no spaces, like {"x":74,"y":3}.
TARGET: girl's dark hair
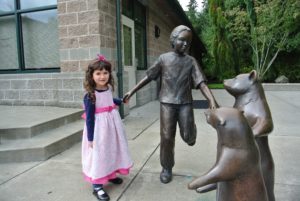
{"x":89,"y":84}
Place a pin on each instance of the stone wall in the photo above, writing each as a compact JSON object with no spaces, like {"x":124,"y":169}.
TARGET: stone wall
{"x":42,"y":89}
{"x":157,"y":46}
{"x":45,"y":89}
{"x":86,"y":27}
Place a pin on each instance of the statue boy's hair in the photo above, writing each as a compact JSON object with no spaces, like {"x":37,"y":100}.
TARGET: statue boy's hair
{"x":176,"y":31}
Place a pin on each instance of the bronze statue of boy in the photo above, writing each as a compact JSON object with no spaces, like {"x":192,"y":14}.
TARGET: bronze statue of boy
{"x":177,"y":72}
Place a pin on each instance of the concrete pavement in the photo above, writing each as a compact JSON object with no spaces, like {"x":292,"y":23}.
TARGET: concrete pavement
{"x":59,"y":178}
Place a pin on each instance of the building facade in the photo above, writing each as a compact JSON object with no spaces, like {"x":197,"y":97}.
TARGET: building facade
{"x":45,"y":46}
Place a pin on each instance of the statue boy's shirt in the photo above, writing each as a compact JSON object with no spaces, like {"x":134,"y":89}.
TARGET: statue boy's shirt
{"x":178,"y":74}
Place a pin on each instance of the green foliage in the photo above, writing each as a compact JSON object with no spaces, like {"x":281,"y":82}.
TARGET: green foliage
{"x":266,"y":38}
{"x":216,"y":86}
{"x":222,"y":47}
{"x":268,"y":27}
{"x":257,"y":34}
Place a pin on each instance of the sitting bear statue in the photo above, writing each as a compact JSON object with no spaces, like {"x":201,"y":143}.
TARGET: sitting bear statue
{"x":237,"y":171}
{"x":250,"y":98}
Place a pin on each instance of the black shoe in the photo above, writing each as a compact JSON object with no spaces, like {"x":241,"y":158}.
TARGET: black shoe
{"x":166,"y":176}
{"x":116,"y":180}
{"x":101,"y":194}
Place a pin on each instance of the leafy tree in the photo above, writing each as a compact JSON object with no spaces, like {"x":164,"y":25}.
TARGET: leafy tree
{"x":193,"y":15}
{"x":222,"y":47}
{"x":268,"y":27}
{"x":261,"y":34}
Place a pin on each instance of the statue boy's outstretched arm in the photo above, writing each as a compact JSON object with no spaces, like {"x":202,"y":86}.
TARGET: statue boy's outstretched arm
{"x":208,"y":95}
{"x":139,"y":85}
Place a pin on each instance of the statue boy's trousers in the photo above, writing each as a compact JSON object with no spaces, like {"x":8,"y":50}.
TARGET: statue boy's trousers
{"x":170,"y":114}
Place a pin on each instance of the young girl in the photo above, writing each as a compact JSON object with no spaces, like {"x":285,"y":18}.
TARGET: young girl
{"x":104,"y":144}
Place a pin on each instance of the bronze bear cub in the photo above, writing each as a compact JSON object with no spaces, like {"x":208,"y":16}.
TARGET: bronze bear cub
{"x":250,"y":98}
{"x":237,"y":170}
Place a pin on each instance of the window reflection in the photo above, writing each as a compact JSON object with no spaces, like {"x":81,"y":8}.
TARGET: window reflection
{"x":40,"y":38}
{"x":36,"y":3}
{"x":7,"y":5}
{"x":8,"y":43}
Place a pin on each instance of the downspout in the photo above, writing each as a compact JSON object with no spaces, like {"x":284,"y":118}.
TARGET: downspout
{"x":119,"y":55}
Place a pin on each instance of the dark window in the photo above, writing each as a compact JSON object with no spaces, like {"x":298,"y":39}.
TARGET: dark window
{"x":140,"y":47}
{"x":28,"y":36}
{"x":127,"y":8}
{"x":137,"y":12}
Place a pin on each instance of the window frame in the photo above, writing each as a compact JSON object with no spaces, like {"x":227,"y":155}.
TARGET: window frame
{"x":17,"y":12}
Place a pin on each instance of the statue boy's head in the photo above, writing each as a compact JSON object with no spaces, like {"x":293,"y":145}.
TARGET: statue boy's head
{"x":181,"y":38}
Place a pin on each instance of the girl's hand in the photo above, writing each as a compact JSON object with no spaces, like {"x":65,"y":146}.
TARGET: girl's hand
{"x":126,"y":97}
{"x":90,"y":144}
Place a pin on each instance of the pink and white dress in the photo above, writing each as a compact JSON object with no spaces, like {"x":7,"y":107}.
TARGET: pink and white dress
{"x":110,"y":154}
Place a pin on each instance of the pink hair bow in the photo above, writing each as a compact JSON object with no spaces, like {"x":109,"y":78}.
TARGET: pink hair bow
{"x":101,"y":57}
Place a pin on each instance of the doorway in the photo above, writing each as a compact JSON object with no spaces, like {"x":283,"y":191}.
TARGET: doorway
{"x":128,"y":52}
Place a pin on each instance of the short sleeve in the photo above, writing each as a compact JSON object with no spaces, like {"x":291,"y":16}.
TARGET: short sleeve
{"x":197,"y":74}
{"x":155,"y":70}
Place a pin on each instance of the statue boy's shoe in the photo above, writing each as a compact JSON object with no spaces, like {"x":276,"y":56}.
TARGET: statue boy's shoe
{"x":166,"y":176}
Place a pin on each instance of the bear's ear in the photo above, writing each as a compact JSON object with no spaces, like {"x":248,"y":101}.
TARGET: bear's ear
{"x":253,"y":75}
{"x":222,"y":122}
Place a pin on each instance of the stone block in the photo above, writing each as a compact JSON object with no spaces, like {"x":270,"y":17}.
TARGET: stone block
{"x":110,"y":42}
{"x":19,"y":84}
{"x":80,"y":53}
{"x":50,"y":84}
{"x":93,"y":4}
{"x":69,"y":104}
{"x":63,"y":31}
{"x":78,"y":30}
{"x":27,"y":76}
{"x":65,"y":95}
{"x":76,"y":6}
{"x":67,"y":19}
{"x":88,"y":17}
{"x":6,"y":102}
{"x":72,"y":83}
{"x":103,"y":5}
{"x":35,"y":84}
{"x":62,"y":7}
{"x":78,"y":95}
{"x":28,"y":102}
{"x":83,"y":65}
{"x":51,"y":103}
{"x":12,"y":94}
{"x":35,"y":94}
{"x":69,"y":66}
{"x":89,"y":41}
{"x":4,"y":84}
{"x":2,"y":94}
{"x":109,"y":20}
{"x":66,"y":43}
{"x":93,"y":28}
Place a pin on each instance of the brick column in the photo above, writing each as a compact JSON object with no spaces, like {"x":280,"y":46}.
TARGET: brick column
{"x":86,"y":27}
